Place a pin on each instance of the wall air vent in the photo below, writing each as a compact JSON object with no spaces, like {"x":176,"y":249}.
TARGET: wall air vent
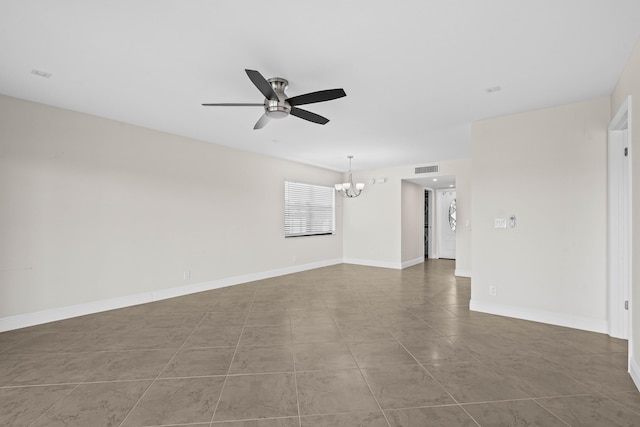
{"x":427,"y":169}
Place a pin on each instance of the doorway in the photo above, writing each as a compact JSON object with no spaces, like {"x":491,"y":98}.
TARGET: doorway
{"x":427,"y":223}
{"x":446,"y":223}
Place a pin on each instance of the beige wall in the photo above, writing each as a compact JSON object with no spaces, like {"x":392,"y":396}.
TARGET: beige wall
{"x":547,"y":167}
{"x":94,"y":209}
{"x":629,"y":84}
{"x":372,"y":222}
{"x":462,"y":170}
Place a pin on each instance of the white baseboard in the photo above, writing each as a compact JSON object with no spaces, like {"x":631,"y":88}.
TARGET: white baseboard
{"x":67,"y":312}
{"x":412,"y":262}
{"x":61,"y":313}
{"x":384,"y":264}
{"x":236,"y":280}
{"x":634,"y":371}
{"x":373,"y":263}
{"x":542,"y":316}
{"x":462,"y":273}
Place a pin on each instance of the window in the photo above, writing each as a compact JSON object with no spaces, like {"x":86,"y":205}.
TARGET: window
{"x":309,"y":210}
{"x":452,"y":215}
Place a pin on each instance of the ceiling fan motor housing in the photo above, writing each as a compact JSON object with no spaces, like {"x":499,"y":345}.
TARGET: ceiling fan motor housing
{"x":277,"y":109}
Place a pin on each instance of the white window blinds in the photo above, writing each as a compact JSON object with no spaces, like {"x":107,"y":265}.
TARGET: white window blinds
{"x":308,"y":209}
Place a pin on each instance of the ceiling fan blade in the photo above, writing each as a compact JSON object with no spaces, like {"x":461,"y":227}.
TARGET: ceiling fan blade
{"x":320,"y":96}
{"x":262,"y":84}
{"x":226,"y":104}
{"x":262,"y":121}
{"x":308,"y":115}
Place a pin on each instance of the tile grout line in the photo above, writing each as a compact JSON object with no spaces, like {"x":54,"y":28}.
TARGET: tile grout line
{"x":164,"y":368}
{"x":550,"y":411}
{"x":235,"y":351}
{"x":358,"y":366}
{"x":436,"y":381}
{"x":67,"y":394}
{"x":608,"y":396}
{"x":54,"y":404}
{"x":295,"y":376}
{"x":366,"y":305}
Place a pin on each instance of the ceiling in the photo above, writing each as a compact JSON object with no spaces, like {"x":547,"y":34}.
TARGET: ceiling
{"x":416,"y":73}
{"x":436,"y":183}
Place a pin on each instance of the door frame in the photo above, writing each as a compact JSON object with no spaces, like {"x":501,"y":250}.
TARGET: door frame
{"x":441,"y":220}
{"x":619,"y":224}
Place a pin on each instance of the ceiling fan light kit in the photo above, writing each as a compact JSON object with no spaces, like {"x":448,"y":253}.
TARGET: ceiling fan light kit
{"x":278,"y":106}
{"x":349,"y":189}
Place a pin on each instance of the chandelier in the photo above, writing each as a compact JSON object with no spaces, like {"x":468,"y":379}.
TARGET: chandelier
{"x":349,"y":189}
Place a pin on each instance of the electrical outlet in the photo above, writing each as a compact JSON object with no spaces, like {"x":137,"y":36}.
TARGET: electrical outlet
{"x":186,"y":275}
{"x":493,"y":291}
{"x":500,"y":223}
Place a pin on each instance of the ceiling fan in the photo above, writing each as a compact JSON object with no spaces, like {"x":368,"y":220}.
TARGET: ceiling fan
{"x":277,"y":105}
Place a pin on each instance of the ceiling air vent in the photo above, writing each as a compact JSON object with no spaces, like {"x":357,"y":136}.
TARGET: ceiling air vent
{"x":427,"y":169}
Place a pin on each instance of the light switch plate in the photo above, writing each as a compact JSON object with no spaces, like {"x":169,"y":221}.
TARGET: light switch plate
{"x":500,"y":223}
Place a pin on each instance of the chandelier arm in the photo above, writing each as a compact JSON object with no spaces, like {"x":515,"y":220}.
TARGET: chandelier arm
{"x":352,"y":189}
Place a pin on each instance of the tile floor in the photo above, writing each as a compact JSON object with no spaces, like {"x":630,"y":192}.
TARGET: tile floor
{"x":338,"y":346}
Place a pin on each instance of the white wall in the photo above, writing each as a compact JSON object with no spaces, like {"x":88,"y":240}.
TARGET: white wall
{"x":629,"y":84}
{"x":462,"y":171}
{"x":372,"y":222}
{"x":95,"y":210}
{"x":373,"y":231}
{"x":412,"y":214}
{"x":548,"y":167}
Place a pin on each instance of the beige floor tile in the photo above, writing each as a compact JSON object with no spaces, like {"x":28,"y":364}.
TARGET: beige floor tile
{"x":323,"y":356}
{"x":267,"y":318}
{"x":359,"y":419}
{"x":19,"y":406}
{"x":266,"y":335}
{"x":432,"y":350}
{"x":294,"y":340}
{"x":442,"y":416}
{"x":214,"y":336}
{"x":474,"y":382}
{"x":56,"y":368}
{"x":604,"y":373}
{"x":257,"y":396}
{"x":326,"y":392}
{"x":196,"y":362}
{"x":240,"y":304}
{"x":379,"y":354}
{"x":270,"y":422}
{"x":591,"y":411}
{"x":412,"y":329}
{"x":45,"y":343}
{"x":321,"y":332}
{"x":176,"y":401}
{"x":487,"y":347}
{"x":223,"y":318}
{"x":79,"y":408}
{"x":362,"y":331}
{"x":255,"y":360}
{"x":405,"y":387}
{"x":537,"y":378}
{"x":513,"y":413}
{"x":630,"y":399}
{"x":131,"y":365}
{"x":310,"y":317}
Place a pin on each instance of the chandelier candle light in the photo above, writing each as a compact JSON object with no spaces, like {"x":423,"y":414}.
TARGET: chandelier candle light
{"x":349,"y":189}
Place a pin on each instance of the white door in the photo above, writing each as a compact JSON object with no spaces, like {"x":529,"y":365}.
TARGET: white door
{"x":447,"y":224}
{"x":619,"y":230}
